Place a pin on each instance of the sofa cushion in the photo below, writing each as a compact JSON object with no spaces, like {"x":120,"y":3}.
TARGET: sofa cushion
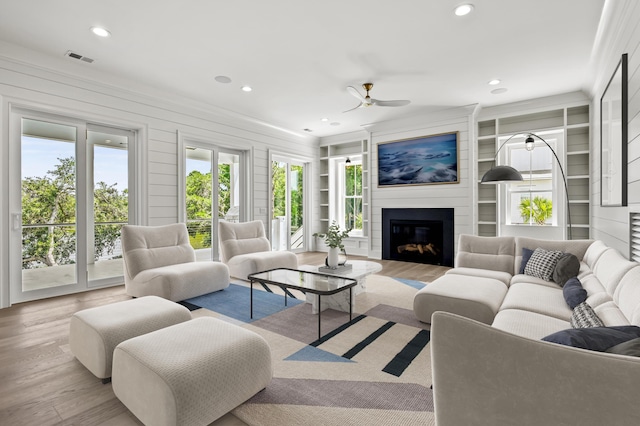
{"x":537,"y":298}
{"x":568,"y":266}
{"x":505,"y":277}
{"x":592,"y":284}
{"x":527,"y":324}
{"x":584,"y":317}
{"x":573,"y":292}
{"x":629,"y":348}
{"x":521,"y":278}
{"x":526,"y":255}
{"x":611,"y":315}
{"x":542,"y":263}
{"x":610,"y":267}
{"x":595,"y":338}
{"x":494,"y":253}
{"x":627,"y":295}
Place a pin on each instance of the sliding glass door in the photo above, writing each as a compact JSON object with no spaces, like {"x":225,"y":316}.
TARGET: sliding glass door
{"x":69,"y":197}
{"x":288,"y":204}
{"x":213,"y":192}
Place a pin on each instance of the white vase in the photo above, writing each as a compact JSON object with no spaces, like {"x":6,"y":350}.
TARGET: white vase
{"x":333,"y":257}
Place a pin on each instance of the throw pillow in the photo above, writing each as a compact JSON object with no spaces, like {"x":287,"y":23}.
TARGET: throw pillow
{"x":573,"y":292}
{"x":630,"y":348}
{"x":594,"y":338}
{"x":583,"y":316}
{"x":526,"y":255}
{"x":542,"y":263}
{"x":567,"y":267}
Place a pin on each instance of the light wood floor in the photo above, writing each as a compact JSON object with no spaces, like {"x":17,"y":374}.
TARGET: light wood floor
{"x":41,"y":383}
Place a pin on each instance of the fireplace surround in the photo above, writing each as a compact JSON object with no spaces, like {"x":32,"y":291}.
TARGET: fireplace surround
{"x":420,"y":235}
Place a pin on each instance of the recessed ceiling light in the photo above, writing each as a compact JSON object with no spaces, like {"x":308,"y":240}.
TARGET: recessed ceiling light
{"x":463,"y":9}
{"x":494,"y":82}
{"x":223,"y":79}
{"x":246,"y":88}
{"x":100,"y":32}
{"x":498,"y":91}
{"x":335,"y":123}
{"x":324,"y":120}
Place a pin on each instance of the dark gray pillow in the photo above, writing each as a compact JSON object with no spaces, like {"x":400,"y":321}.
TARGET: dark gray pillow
{"x":573,"y":292}
{"x":595,"y":338}
{"x":542,"y":263}
{"x":526,"y":255}
{"x":584,"y":316}
{"x":630,"y":348}
{"x":567,"y":267}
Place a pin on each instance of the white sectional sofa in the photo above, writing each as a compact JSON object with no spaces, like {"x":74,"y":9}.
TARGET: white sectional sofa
{"x":490,"y":366}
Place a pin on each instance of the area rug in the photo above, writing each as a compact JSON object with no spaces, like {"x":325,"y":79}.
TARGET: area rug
{"x":372,"y":370}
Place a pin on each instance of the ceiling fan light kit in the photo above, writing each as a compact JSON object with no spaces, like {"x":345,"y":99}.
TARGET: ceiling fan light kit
{"x":368,"y":101}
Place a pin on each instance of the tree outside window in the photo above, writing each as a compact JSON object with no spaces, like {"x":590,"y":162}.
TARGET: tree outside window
{"x":531,"y":201}
{"x":353,"y":196}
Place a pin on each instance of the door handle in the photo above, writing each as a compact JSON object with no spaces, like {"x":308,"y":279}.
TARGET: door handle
{"x":17,"y":221}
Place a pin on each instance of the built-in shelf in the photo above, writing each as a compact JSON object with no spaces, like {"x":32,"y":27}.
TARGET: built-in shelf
{"x":342,"y":150}
{"x":574,"y":120}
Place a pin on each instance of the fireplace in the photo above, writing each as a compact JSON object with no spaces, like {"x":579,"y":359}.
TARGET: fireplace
{"x":423,"y":235}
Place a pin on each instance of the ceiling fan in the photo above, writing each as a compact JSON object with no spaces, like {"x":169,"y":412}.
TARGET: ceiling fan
{"x":367,"y":101}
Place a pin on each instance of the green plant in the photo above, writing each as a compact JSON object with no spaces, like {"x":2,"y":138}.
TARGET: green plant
{"x":539,"y":209}
{"x":334,"y":236}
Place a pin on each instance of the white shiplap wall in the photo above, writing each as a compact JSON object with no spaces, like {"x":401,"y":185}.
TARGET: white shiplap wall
{"x":158,"y":121}
{"x":620,"y":34}
{"x":457,"y":196}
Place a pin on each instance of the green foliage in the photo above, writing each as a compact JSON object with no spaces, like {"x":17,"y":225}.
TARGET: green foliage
{"x":334,"y":236}
{"x":537,"y":210}
{"x":279,"y":193}
{"x":199,"y":205}
{"x":51,"y":199}
{"x":353,"y":194}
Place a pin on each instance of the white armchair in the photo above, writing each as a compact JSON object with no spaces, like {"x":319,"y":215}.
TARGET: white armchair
{"x":159,"y":261}
{"x":245,"y":249}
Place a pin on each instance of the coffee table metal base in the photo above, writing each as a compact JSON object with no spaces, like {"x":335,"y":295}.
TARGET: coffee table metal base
{"x":319,"y":304}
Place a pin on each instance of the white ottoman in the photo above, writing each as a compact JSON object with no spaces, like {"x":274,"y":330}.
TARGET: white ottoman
{"x":478,"y":298}
{"x":94,"y":333}
{"x":190,"y":373}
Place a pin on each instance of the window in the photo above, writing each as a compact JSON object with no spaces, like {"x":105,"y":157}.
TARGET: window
{"x":348,"y":194}
{"x":535,"y":200}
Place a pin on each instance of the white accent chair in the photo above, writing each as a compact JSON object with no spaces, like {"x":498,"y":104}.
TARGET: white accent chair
{"x":245,"y":249}
{"x":159,"y":261}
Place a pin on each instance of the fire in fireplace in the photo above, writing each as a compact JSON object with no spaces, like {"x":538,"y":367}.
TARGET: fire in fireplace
{"x":418,"y":235}
{"x":416,"y":241}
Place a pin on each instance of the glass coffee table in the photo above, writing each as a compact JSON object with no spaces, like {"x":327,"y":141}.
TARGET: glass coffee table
{"x":307,"y":282}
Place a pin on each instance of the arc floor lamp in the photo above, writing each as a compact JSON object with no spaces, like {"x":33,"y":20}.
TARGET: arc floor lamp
{"x":502,"y":174}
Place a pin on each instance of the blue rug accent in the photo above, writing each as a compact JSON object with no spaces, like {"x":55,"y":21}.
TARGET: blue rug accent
{"x":234,"y":302}
{"x":411,"y":283}
{"x":310,"y":353}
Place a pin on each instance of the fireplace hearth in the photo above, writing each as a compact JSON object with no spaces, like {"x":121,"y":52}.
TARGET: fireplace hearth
{"x":421,"y":235}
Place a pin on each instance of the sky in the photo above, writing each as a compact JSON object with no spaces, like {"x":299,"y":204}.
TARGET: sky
{"x":41,"y":155}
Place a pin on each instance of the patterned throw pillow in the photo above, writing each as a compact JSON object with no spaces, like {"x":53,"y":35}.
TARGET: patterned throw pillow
{"x":542,"y":263}
{"x":584,"y":317}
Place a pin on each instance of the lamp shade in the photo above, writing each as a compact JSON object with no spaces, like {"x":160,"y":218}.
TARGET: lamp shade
{"x":499,"y":174}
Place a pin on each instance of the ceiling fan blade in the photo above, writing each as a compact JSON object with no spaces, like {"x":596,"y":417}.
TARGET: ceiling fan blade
{"x":362,"y":105}
{"x":391,"y":103}
{"x":355,"y":93}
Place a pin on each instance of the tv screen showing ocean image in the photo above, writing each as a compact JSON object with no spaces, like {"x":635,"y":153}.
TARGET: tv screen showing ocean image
{"x":419,"y":161}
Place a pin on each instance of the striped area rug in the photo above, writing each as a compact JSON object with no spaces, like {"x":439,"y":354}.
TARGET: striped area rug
{"x":372,"y":370}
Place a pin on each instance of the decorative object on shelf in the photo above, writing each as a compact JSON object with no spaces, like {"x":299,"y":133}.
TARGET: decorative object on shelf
{"x":502,"y":174}
{"x":419,"y":161}
{"x":333,"y":239}
{"x":613,"y":139}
